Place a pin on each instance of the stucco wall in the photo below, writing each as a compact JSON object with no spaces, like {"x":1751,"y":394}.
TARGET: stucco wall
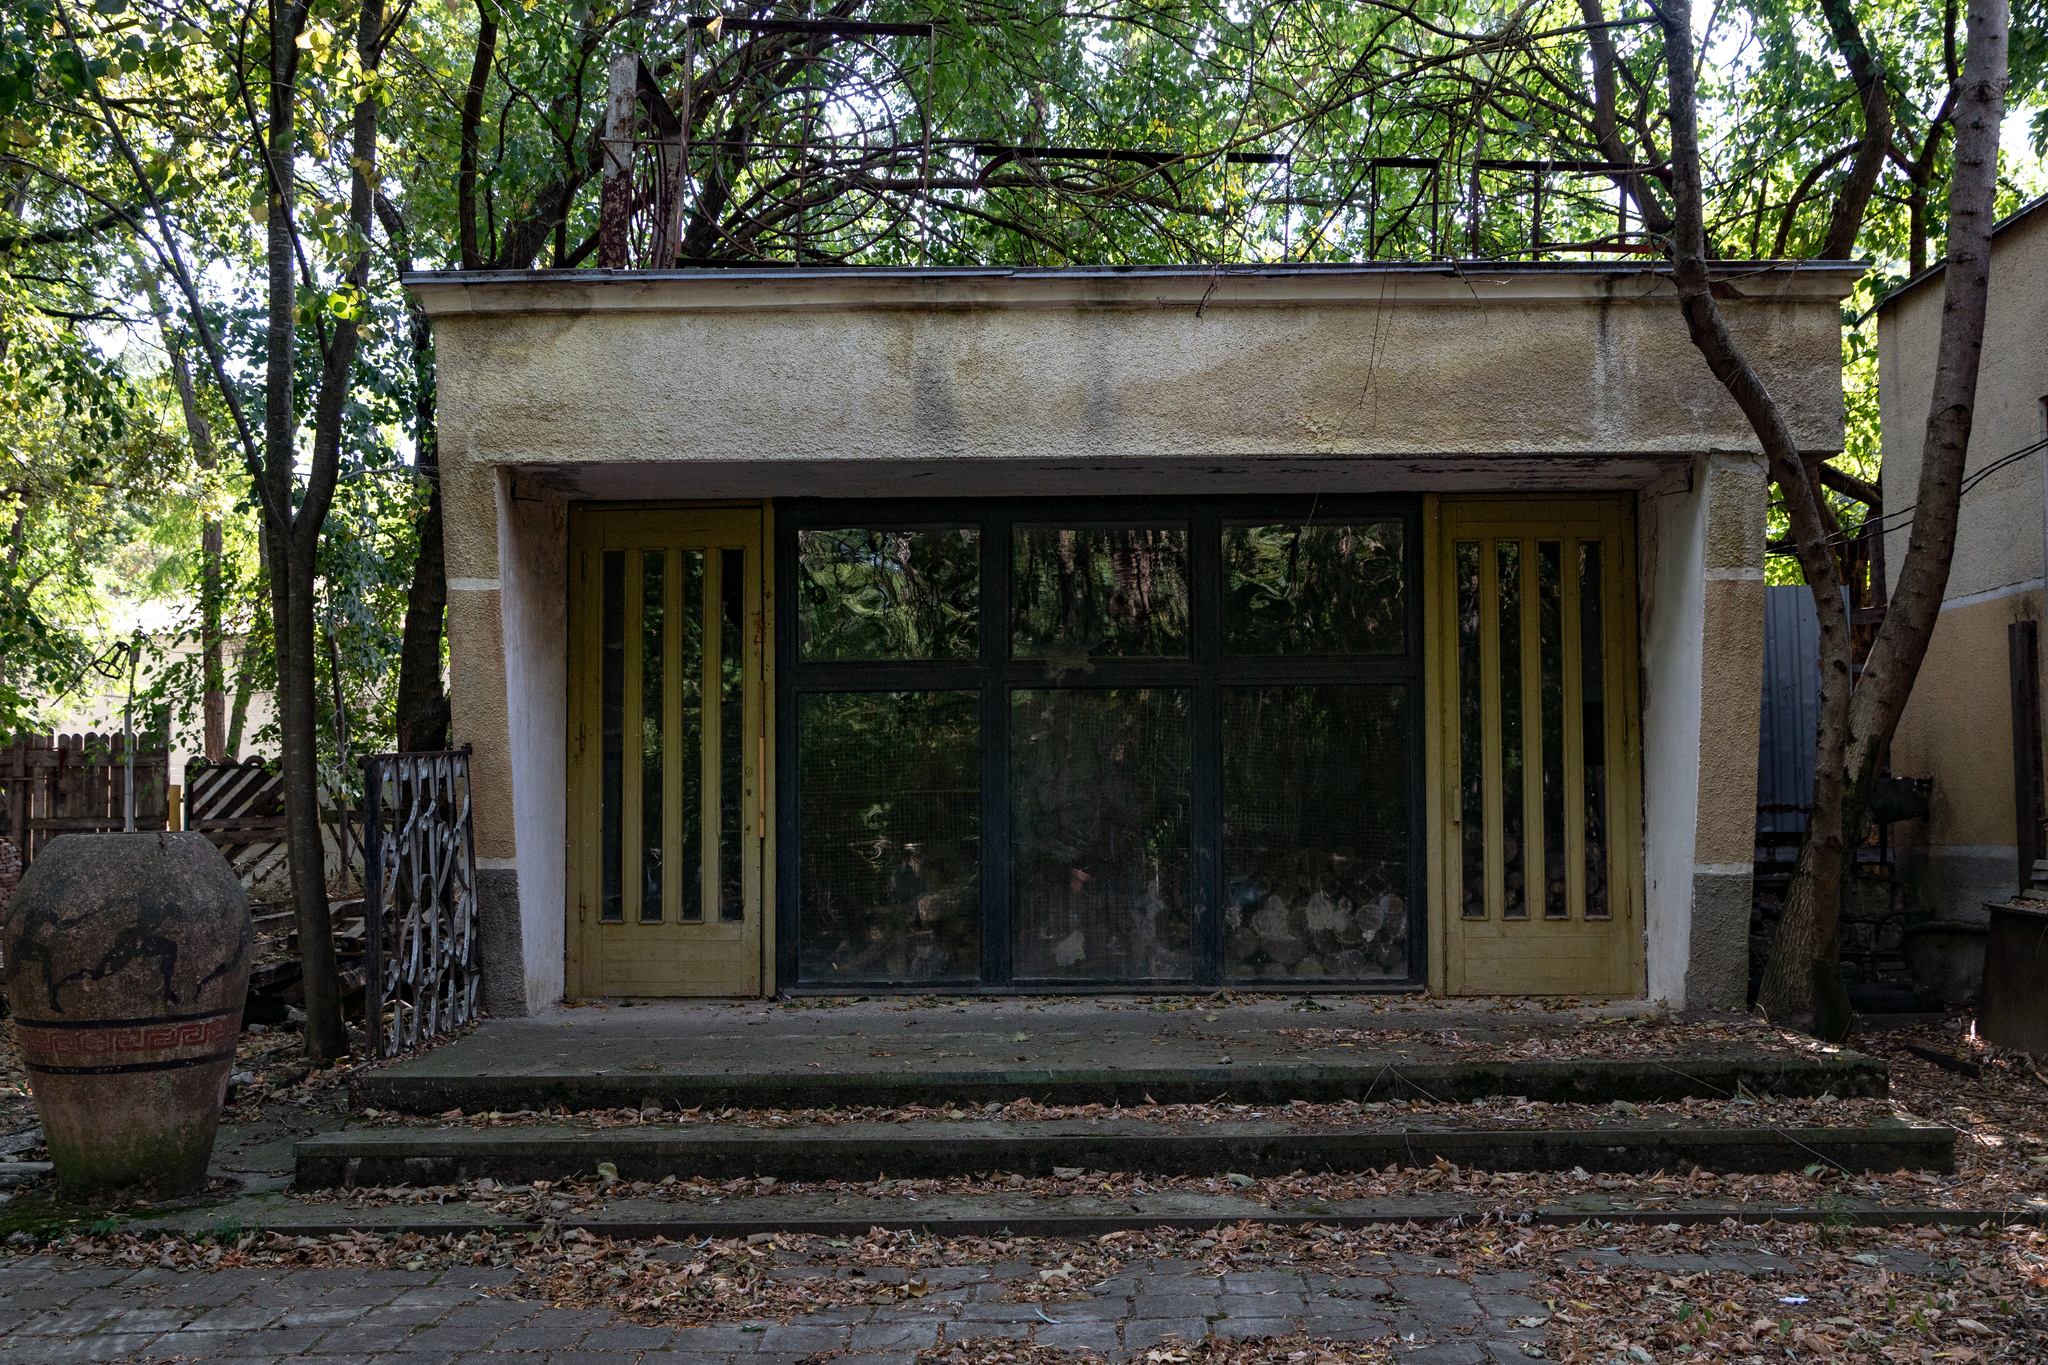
{"x":1701,"y":556}
{"x":1957,"y":728}
{"x":561,"y":370}
{"x":583,"y":385}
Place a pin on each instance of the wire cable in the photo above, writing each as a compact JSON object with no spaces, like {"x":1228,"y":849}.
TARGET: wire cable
{"x":1885,"y":522}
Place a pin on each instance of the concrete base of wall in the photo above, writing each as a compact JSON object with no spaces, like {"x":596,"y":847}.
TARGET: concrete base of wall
{"x":1717,"y":966}
{"x":1952,"y":882}
{"x":500,"y":944}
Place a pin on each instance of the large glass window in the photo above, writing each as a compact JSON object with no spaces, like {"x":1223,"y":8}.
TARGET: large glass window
{"x":1099,"y":741}
{"x":873,"y":593}
{"x":890,"y":807}
{"x":1099,"y":833}
{"x":1315,"y":832}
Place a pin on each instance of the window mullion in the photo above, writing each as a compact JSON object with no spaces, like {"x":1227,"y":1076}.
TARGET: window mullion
{"x":1205,"y":800}
{"x":996,"y":964}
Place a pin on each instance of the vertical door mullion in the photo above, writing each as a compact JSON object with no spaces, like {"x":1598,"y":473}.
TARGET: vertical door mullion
{"x":788,"y":798}
{"x":1574,"y":730}
{"x":1535,"y":874}
{"x":1490,"y":726}
{"x":631,"y":758}
{"x":1205,"y":797}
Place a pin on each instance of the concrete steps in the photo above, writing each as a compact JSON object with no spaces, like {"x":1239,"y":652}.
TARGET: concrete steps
{"x":1023,"y":1215}
{"x":1371,"y":1075}
{"x":520,"y":1154}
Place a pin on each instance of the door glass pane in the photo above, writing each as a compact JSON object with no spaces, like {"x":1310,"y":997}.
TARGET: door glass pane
{"x":652,"y":642}
{"x":1099,"y":833}
{"x":1550,"y":660}
{"x":889,"y":816}
{"x":1593,"y":701}
{"x":1315,"y":832}
{"x":1099,"y":592}
{"x":1508,"y":560}
{"x":732,"y":712}
{"x":875,"y":594}
{"x":1314,"y":589}
{"x":1471,"y":736}
{"x":688,"y":749}
{"x":612,"y":728}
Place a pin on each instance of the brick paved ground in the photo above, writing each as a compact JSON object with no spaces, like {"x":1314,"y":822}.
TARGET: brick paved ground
{"x":53,"y":1310}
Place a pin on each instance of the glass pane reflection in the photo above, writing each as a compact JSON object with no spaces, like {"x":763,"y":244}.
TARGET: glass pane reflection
{"x":864,"y":593}
{"x":1550,"y":668}
{"x":653,"y":647}
{"x":1099,"y":592}
{"x":1471,"y":737}
{"x":1313,"y":589}
{"x":1099,"y":833}
{"x":1514,"y":900}
{"x":1315,"y":832}
{"x":890,"y":808}
{"x":612,"y":733}
{"x":1593,"y":726}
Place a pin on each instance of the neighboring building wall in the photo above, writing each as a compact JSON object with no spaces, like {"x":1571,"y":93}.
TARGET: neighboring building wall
{"x":730,"y":385}
{"x":1957,"y":728}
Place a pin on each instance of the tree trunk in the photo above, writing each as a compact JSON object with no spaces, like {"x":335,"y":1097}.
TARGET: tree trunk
{"x":245,"y":669}
{"x":213,"y":694}
{"x":422,"y":702}
{"x":1802,"y":981}
{"x":293,"y":560}
{"x":1875,"y":145}
{"x":1790,"y":979}
{"x":467,"y":241}
{"x":294,"y":536}
{"x":1915,"y":604}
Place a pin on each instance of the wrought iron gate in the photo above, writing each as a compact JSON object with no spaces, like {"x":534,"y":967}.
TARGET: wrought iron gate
{"x":420,"y":859}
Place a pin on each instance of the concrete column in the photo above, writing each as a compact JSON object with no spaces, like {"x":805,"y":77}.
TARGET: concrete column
{"x":479,"y":718}
{"x":533,"y":546}
{"x":1702,"y":578}
{"x":1731,"y":703}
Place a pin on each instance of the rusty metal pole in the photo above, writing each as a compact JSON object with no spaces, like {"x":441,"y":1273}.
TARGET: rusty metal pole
{"x":924,"y":202}
{"x":689,"y":114}
{"x":615,"y":198}
{"x":373,"y":903}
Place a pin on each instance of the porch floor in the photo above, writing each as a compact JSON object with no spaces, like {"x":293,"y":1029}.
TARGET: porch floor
{"x":932,"y":1051}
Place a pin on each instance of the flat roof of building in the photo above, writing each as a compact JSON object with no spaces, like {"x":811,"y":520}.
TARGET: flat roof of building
{"x":1254,"y":284}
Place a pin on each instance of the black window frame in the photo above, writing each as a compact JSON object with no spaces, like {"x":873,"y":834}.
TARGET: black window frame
{"x":1205,"y":670}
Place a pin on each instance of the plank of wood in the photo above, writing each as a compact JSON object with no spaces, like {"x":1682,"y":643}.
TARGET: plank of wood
{"x":1947,"y":1061}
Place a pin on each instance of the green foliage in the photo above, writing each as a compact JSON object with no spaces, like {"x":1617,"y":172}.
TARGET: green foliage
{"x":810,"y":149}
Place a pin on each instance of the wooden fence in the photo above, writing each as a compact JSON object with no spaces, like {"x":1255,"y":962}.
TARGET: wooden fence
{"x":70,"y":784}
{"x":67,"y":784}
{"x":240,"y":807}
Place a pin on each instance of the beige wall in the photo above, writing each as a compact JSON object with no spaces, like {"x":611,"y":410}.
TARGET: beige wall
{"x":1404,"y":363}
{"x":1957,"y":728}
{"x":721,"y":385}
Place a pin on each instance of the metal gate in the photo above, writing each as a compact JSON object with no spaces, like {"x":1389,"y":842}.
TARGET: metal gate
{"x":421,"y":959}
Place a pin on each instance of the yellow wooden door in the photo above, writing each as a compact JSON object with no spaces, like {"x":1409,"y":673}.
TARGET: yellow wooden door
{"x":1539,"y":823}
{"x":668,"y":751}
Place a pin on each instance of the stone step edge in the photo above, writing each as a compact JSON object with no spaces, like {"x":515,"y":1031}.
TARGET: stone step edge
{"x":402,"y":1156}
{"x":1593,"y":1080}
{"x":645,"y":1225}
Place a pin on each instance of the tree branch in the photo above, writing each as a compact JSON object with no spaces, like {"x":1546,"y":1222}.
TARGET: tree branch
{"x":1854,"y":198}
